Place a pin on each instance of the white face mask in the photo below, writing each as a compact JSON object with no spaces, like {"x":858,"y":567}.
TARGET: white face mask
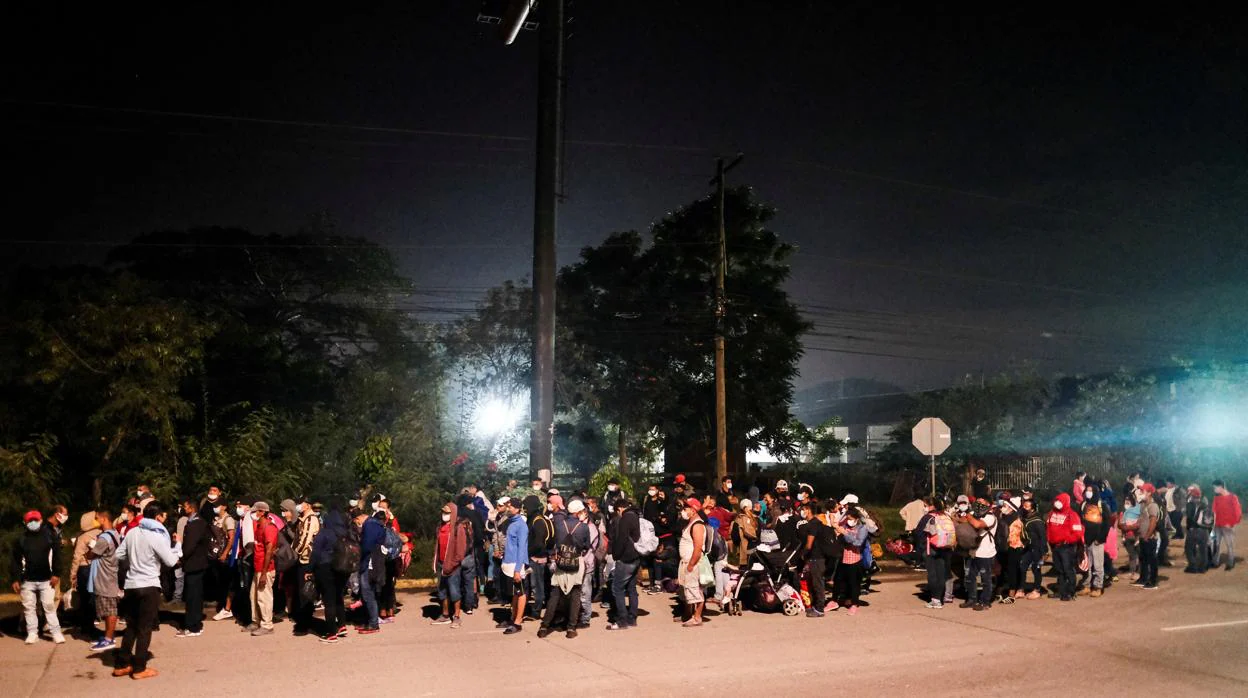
{"x":653,"y":493}
{"x":255,"y":516}
{"x":376,"y":506}
{"x":1088,"y":494}
{"x":684,"y":515}
{"x":62,"y":518}
{"x":537,"y":488}
{"x":240,"y":511}
{"x":446,"y":517}
{"x":613,"y":488}
{"x":851,"y":523}
{"x":33,"y":526}
{"x":1058,"y":505}
{"x":213,"y":497}
{"x":727,"y":485}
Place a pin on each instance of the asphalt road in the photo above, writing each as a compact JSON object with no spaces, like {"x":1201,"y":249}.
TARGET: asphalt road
{"x":1188,"y":638}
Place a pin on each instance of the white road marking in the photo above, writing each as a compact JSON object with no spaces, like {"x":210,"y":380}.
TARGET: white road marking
{"x":1205,"y":625}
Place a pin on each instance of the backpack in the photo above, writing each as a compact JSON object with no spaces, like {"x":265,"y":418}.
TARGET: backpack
{"x":284,"y":558}
{"x":1204,"y":517}
{"x":1093,"y":515}
{"x":968,"y":536}
{"x":944,"y":534}
{"x":567,"y":555}
{"x":719,"y":549}
{"x":647,"y":541}
{"x":346,"y":555}
{"x":393,"y":543}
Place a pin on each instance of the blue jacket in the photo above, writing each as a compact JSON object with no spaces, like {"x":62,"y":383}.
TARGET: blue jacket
{"x":1109,"y":500}
{"x":333,"y":528}
{"x":516,"y":550}
{"x":372,"y":535}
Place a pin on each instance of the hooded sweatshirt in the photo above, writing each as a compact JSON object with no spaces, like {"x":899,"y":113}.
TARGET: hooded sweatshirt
{"x":333,"y":527}
{"x":1064,"y":525}
{"x":146,"y":548}
{"x":1095,"y":520}
{"x":454,"y":543}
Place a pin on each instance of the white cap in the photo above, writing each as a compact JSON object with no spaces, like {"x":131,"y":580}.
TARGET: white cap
{"x":849,"y":499}
{"x":1016,"y":502}
{"x":576,"y":506}
{"x":782,"y":485}
{"x":745,"y":504}
{"x":502,"y":501}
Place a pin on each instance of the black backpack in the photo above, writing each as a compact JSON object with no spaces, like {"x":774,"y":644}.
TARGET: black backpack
{"x":719,"y":549}
{"x":567,"y":555}
{"x":219,"y":540}
{"x":284,"y":558}
{"x":346,"y":555}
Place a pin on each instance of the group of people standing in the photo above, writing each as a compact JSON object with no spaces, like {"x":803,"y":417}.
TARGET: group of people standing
{"x":998,"y":541}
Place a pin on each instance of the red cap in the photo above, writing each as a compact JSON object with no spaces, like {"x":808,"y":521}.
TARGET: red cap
{"x":694,"y":502}
{"x":1148,"y":487}
{"x":32,"y":516}
{"x":680,"y":479}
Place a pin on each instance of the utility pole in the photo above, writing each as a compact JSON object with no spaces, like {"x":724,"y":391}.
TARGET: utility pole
{"x":546,"y":204}
{"x":721,"y":308}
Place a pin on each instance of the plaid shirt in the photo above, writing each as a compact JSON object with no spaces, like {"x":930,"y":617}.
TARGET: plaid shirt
{"x":851,"y":556}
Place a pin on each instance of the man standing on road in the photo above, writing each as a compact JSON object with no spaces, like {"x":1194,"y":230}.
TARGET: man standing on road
{"x":454,"y":563}
{"x":104,"y":580}
{"x":1199,"y":524}
{"x":541,"y":540}
{"x":1226,"y":516}
{"x":196,"y":558}
{"x":979,"y":575}
{"x":36,"y":558}
{"x":1095,"y":533}
{"x":625,"y":532}
{"x":692,"y":544}
{"x":371,"y":569}
{"x":572,"y":540}
{"x":818,"y":544}
{"x":1150,"y":522}
{"x":515,"y":563}
{"x":147,"y":549}
{"x":1065,"y":535}
{"x":265,"y":566}
{"x":307,"y":526}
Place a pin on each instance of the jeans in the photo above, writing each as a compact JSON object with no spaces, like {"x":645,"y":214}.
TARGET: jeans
{"x":537,"y":584}
{"x":1224,"y":540}
{"x":624,"y":585}
{"x":331,"y":584}
{"x":587,"y":595}
{"x":1096,"y":556}
{"x":1176,"y":520}
{"x":1032,"y":562}
{"x":721,"y":578}
{"x":1133,"y":554}
{"x":1012,"y":569}
{"x":978,"y":591}
{"x":179,"y":583}
{"x":569,"y":603}
{"x":142,"y":614}
{"x":1196,"y":549}
{"x":1064,"y":566}
{"x":1148,"y":562}
{"x":42,"y":594}
{"x":937,"y":573}
{"x":815,"y":569}
{"x":262,"y":599}
{"x":193,"y":591}
{"x":460,"y":585}
{"x":369,"y":595}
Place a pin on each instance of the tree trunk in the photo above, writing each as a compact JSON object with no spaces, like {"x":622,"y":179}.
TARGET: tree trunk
{"x":622,"y":448}
{"x":97,"y":484}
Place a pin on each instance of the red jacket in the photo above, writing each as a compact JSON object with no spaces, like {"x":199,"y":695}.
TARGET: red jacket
{"x":1226,"y":511}
{"x":266,"y":545}
{"x":1064,"y":526}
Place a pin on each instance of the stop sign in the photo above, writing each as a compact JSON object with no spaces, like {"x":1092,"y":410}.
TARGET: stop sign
{"x":931,"y":436}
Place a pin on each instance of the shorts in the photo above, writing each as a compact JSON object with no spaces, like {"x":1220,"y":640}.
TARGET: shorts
{"x":691,"y":586}
{"x":509,"y":569}
{"x":105,"y":607}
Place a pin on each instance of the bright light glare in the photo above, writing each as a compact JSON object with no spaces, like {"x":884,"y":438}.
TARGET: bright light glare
{"x":1217,"y":423}
{"x":497,"y":416}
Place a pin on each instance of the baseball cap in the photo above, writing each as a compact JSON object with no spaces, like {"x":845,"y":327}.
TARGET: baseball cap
{"x":260,"y":506}
{"x":680,"y":479}
{"x":849,"y":499}
{"x":502,"y":501}
{"x":576,"y":506}
{"x":782,"y":485}
{"x":963,"y":499}
{"x":32,"y":515}
{"x":693,"y":502}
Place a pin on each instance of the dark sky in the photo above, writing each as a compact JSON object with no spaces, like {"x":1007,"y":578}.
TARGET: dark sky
{"x":965,"y":192}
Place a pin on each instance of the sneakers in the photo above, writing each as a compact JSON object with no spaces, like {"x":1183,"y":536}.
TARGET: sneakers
{"x":386,"y":620}
{"x":512,"y":629}
{"x":503,"y":624}
{"x":853,"y":610}
{"x":187,"y":633}
{"x":32,"y":639}
{"x":330,"y":639}
{"x":58,"y":638}
{"x":455,"y":623}
{"x":1138,"y":584}
{"x":368,"y":630}
{"x":935,"y":603}
{"x":1007,"y":600}
{"x":1084,"y":591}
{"x":967,"y":604}
{"x":571,"y":634}
{"x":979,"y":607}
{"x":440,"y":620}
{"x":814,"y":613}
{"x":616,"y":626}
{"x":342,"y":632}
{"x":543,"y":632}
{"x":102,"y":645}
{"x":250,"y":628}
{"x":223,"y":614}
{"x":259,"y":632}
{"x":1150,"y":586}
{"x":831,"y":606}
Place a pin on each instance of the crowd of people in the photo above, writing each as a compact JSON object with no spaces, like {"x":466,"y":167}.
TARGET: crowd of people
{"x":997,"y":542}
{"x":547,"y":557}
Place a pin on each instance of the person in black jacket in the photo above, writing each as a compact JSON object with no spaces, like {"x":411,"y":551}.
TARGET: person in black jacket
{"x":196,"y":558}
{"x":541,"y":541}
{"x":625,"y":532}
{"x":466,"y":509}
{"x":36,"y":558}
{"x":1036,"y":537}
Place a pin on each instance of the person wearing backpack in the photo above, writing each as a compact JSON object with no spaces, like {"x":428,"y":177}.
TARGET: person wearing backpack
{"x":693,"y":567}
{"x":1035,"y":538}
{"x":454,"y":563}
{"x":979,"y":572}
{"x":941,"y":538}
{"x":1199,"y":519}
{"x":625,"y":532}
{"x":1011,"y":548}
{"x":331,"y":581}
{"x":541,"y":541}
{"x":572,"y":541}
{"x":1095,"y":533}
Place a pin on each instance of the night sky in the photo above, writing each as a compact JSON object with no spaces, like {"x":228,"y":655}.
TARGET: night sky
{"x":965,"y":193}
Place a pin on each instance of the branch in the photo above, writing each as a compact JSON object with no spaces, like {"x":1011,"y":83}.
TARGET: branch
{"x":74,"y":354}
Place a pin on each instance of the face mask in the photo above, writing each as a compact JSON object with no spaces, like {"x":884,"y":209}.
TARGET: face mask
{"x":613,"y":488}
{"x":1058,"y":505}
{"x":213,"y":497}
{"x":801,"y":496}
{"x":299,"y":508}
{"x":240,"y":511}
{"x":964,"y":507}
{"x":537,"y":488}
{"x":684,"y":515}
{"x":353,"y":503}
{"x":139,"y":494}
{"x":727,"y":485}
{"x":62,"y":518}
{"x":653,"y":493}
{"x":33,"y":526}
{"x":376,"y":507}
{"x":851,"y":523}
{"x":1087,"y":495}
{"x":446,"y":517}
{"x":255,"y":517}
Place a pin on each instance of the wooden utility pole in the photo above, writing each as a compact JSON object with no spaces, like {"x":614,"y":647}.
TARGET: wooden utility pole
{"x":721,"y":308}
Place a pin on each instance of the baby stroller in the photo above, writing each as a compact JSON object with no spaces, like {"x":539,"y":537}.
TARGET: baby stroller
{"x":764,"y":578}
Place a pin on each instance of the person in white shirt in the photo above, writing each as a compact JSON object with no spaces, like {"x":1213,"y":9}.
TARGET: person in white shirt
{"x":979,"y":571}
